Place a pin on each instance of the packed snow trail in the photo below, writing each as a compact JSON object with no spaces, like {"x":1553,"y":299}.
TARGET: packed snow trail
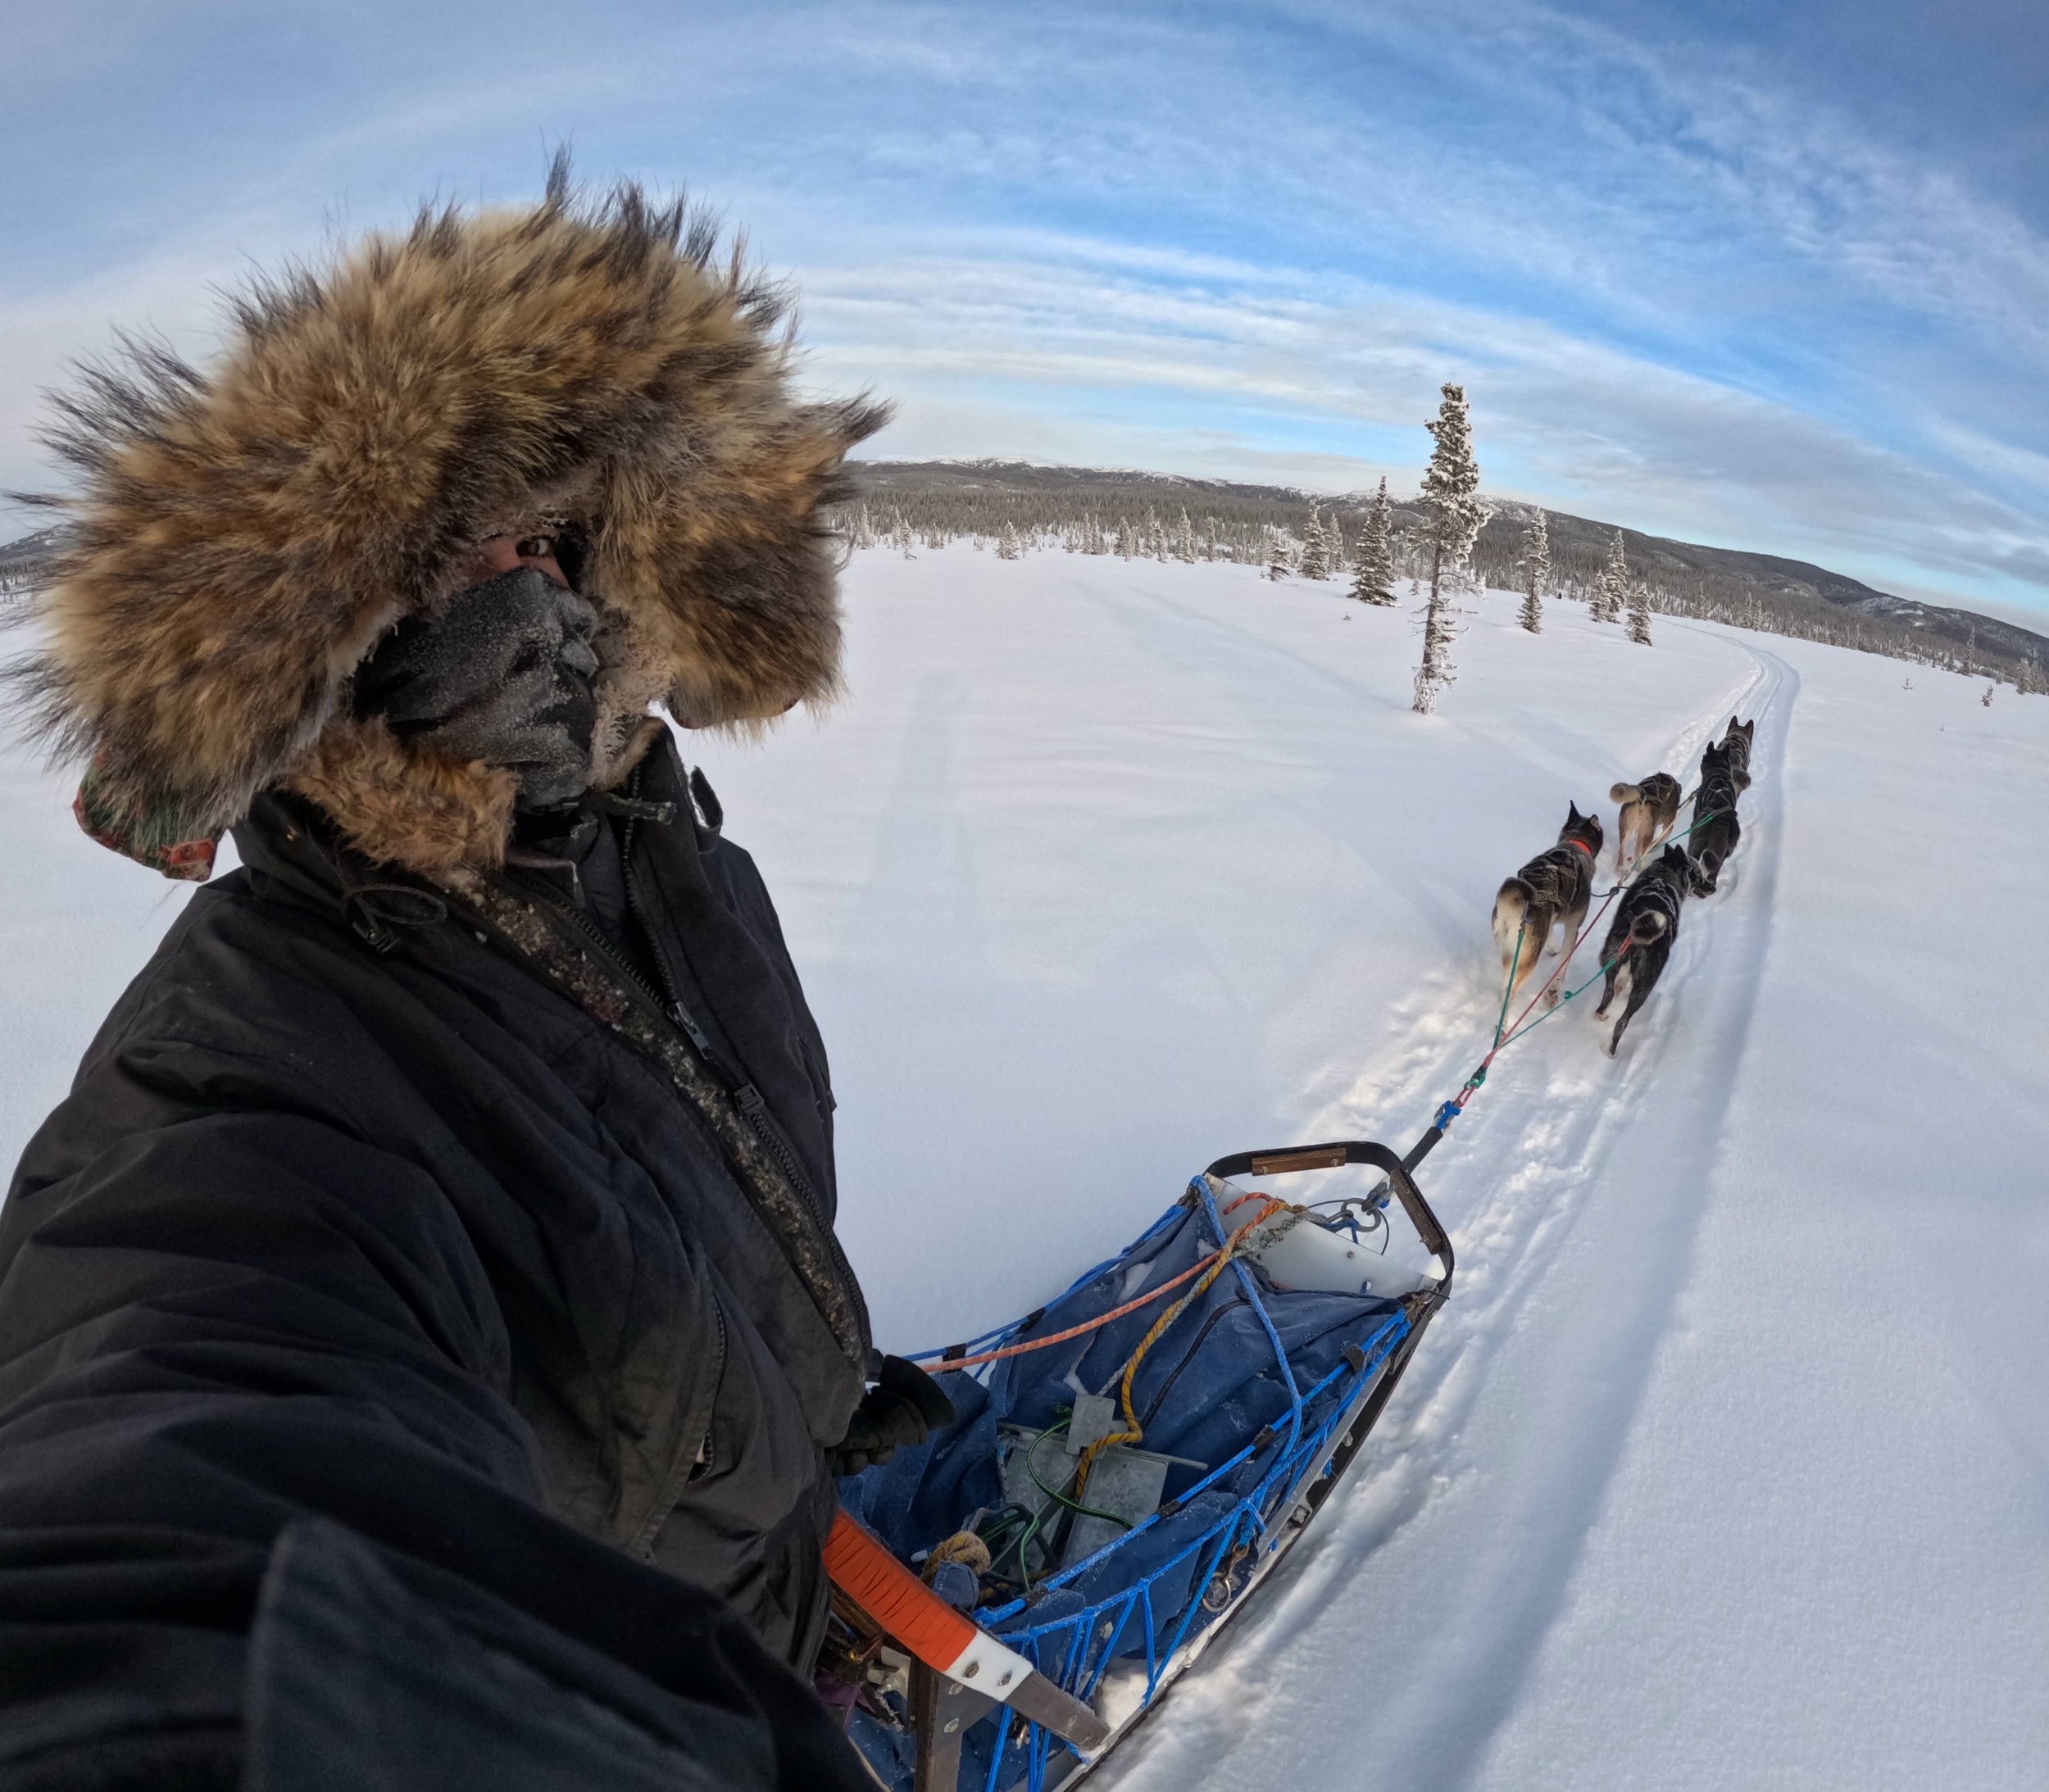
{"x":1728,"y":1465}
{"x":1511,"y":1182}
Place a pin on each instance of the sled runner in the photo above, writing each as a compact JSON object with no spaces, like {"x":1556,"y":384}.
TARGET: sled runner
{"x":1126,"y":1466}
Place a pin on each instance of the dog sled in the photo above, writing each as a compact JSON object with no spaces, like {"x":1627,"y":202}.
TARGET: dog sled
{"x":1126,"y":1466}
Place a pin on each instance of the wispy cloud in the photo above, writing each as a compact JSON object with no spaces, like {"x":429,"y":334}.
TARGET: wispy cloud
{"x":1565,"y":418}
{"x":1236,"y":239}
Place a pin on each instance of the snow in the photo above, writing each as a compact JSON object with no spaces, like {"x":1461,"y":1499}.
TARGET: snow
{"x":1728,"y":1464}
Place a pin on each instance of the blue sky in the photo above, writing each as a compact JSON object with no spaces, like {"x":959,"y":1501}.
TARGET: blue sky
{"x":1771,"y":276}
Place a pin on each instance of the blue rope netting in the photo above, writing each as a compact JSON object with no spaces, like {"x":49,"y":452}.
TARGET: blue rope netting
{"x":1254,"y":1379}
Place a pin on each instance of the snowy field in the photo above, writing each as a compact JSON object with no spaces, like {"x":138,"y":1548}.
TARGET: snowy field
{"x":1728,"y":1465}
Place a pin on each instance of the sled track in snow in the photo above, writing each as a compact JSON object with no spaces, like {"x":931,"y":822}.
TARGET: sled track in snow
{"x":1512,"y":1183}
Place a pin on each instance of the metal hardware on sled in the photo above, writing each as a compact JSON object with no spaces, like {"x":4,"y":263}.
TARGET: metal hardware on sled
{"x":944,"y":1641}
{"x":1130,"y":1461}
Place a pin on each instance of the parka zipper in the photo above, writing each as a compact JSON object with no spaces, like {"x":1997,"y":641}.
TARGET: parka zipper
{"x":746,"y":1097}
{"x":685,"y":1471}
{"x":707,"y":1456}
{"x":668,"y":1004}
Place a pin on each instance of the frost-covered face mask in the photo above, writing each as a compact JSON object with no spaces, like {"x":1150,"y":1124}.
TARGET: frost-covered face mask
{"x":503,"y":675}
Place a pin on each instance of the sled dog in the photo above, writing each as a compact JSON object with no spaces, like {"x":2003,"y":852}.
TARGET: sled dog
{"x":1716,"y":830}
{"x":1640,"y":938}
{"x":1554,"y":887}
{"x":1648,"y":810}
{"x":1737,"y":739}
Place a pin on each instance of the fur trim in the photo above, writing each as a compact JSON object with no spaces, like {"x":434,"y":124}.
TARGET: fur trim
{"x":405,"y":805}
{"x":246,"y":534}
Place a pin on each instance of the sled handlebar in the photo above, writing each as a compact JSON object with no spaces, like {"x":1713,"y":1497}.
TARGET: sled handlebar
{"x":948,"y":1642}
{"x":1287,"y":1160}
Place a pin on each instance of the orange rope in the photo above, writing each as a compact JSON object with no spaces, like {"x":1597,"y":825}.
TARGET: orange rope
{"x":1114,"y":1313}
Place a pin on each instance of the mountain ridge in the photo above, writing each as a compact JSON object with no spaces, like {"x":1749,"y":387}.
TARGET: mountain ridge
{"x":1578,"y":544}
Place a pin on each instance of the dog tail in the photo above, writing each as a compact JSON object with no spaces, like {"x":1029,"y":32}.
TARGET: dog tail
{"x":1625,"y":793}
{"x":1511,"y":912}
{"x":1648,"y":928}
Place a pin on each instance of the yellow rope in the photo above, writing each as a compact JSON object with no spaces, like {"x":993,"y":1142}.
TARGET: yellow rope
{"x":962,"y":1546}
{"x":1133,"y":1432}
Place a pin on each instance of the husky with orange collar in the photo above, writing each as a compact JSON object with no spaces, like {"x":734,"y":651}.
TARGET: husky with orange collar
{"x":1554,"y":886}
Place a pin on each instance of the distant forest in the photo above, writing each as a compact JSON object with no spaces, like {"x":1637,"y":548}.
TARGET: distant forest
{"x":1015,"y":507}
{"x":1018,"y":508}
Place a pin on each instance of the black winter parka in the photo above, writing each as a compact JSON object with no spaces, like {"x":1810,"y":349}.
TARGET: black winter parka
{"x":399,"y":1365}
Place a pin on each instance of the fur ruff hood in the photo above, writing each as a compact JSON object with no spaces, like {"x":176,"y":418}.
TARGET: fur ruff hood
{"x":244,"y":534}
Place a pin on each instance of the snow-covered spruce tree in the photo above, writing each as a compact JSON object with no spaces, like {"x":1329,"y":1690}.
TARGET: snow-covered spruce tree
{"x":1611,"y":589}
{"x":1536,"y":571}
{"x":1277,"y":555}
{"x":1987,"y":699}
{"x":1006,"y":543}
{"x":1640,"y":613}
{"x":1455,"y":514}
{"x":1315,"y":556}
{"x":1374,"y":582}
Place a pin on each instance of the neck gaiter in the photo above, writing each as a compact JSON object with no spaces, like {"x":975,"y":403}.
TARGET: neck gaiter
{"x":503,"y":675}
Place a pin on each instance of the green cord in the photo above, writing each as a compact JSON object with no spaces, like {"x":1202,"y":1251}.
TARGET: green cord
{"x":1508,"y":989}
{"x":1569,"y":994}
{"x":1039,"y":1518}
{"x":1031,"y":1468}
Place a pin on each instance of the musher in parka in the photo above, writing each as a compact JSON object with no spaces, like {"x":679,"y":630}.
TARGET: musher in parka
{"x":425,"y":1351}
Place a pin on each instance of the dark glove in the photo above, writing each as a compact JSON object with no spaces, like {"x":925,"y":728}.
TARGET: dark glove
{"x":905,"y":1406}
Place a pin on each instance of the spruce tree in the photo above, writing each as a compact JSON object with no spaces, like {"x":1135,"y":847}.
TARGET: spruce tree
{"x":1640,"y":613}
{"x":1611,"y":589}
{"x":1006,"y":543}
{"x":1452,"y":503}
{"x":1536,"y":571}
{"x":1277,"y":566}
{"x":1374,"y":582}
{"x":1315,"y":556}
